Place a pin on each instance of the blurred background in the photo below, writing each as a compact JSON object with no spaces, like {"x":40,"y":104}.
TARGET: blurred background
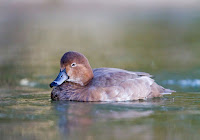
{"x":161,"y":37}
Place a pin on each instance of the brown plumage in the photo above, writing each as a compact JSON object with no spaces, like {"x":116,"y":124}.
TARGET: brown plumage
{"x":103,"y":84}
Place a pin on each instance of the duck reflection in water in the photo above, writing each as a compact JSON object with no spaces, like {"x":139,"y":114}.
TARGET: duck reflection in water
{"x":73,"y":117}
{"x":78,"y":120}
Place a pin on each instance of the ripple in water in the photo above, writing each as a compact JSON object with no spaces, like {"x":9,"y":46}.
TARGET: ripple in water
{"x":183,"y":82}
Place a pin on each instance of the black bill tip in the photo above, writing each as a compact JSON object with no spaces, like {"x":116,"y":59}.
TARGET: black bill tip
{"x":53,"y":84}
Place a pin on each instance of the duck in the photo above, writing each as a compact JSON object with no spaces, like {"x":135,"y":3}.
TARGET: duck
{"x":77,"y":81}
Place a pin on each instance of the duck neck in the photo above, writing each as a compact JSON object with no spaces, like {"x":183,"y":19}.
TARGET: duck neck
{"x":72,"y":86}
{"x":87,"y":77}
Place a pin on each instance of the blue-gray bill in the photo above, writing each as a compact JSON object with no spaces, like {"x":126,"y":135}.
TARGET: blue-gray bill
{"x":62,"y":77}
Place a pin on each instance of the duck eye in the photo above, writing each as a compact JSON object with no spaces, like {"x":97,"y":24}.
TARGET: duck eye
{"x":73,"y":64}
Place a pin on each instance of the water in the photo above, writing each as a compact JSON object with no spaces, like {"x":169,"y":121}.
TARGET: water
{"x":35,"y":116}
{"x":164,"y":43}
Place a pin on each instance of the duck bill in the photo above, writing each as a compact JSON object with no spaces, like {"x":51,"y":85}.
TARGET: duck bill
{"x":62,"y":77}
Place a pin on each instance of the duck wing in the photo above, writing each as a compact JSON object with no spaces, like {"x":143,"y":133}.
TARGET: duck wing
{"x":106,"y":77}
{"x":121,"y":85}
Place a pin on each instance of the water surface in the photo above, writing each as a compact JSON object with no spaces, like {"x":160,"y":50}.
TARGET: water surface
{"x":35,"y":116}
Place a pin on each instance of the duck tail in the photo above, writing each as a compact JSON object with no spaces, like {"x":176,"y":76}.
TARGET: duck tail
{"x":167,"y":91}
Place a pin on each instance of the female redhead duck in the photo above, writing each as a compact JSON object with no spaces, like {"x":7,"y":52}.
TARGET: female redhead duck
{"x":77,"y":81}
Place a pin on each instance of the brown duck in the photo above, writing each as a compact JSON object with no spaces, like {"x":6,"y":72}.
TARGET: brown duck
{"x":77,"y":81}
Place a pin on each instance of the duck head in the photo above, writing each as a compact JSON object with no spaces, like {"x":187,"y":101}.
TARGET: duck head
{"x":74,"y":67}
